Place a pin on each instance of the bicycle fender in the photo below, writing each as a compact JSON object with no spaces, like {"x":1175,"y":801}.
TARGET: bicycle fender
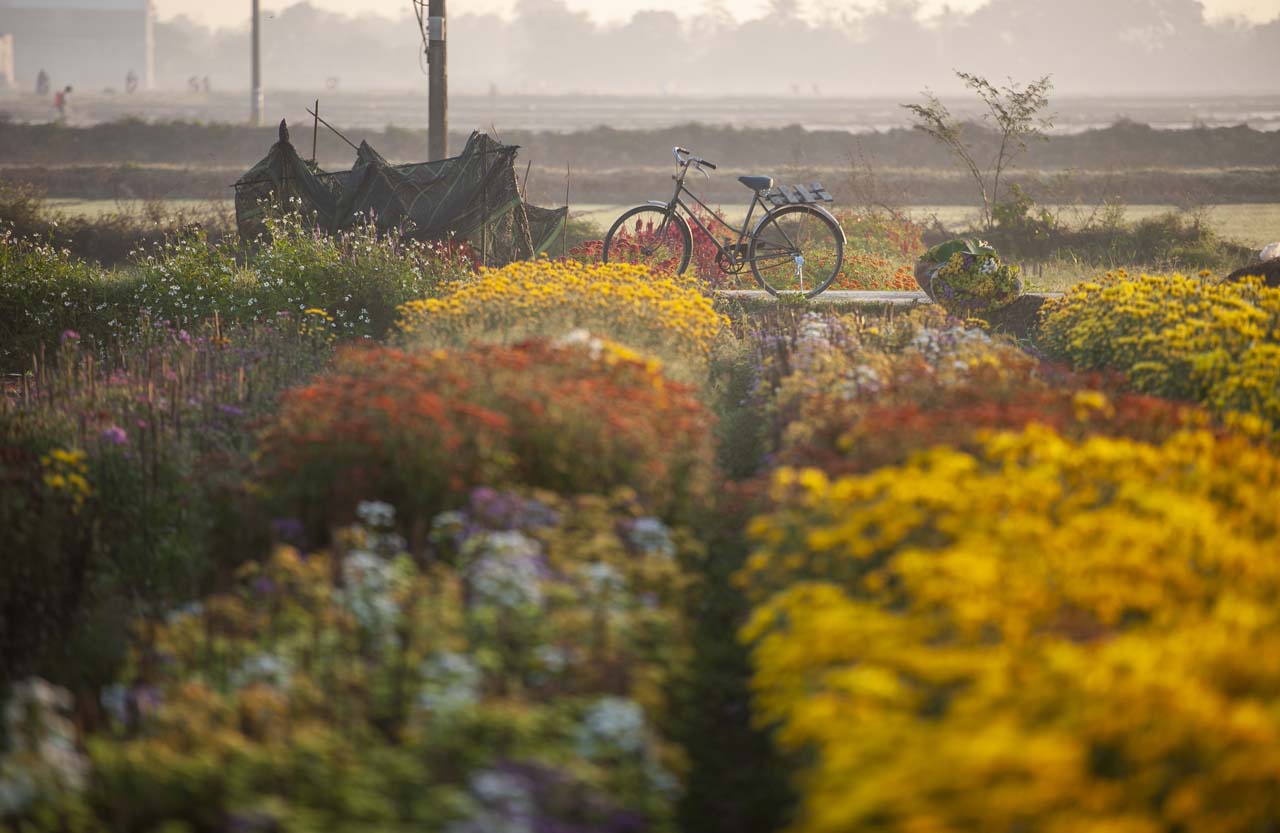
{"x":675,"y":215}
{"x":824,"y":212}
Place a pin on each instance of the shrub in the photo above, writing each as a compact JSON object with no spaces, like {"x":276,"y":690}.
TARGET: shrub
{"x":1045,"y":635}
{"x":109,"y":239}
{"x":1177,"y":337}
{"x":856,"y":402}
{"x":43,"y":293}
{"x":514,"y":674}
{"x":417,"y":429}
{"x":123,"y":485}
{"x":1172,"y":240}
{"x":667,"y":316}
{"x":355,"y":279}
{"x":881,"y":248}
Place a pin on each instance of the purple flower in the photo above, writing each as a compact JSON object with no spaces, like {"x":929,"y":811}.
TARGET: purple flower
{"x":115,"y":435}
{"x":231,"y":410}
{"x":146,"y":699}
{"x":184,"y":336}
{"x":288,"y":530}
{"x":495,"y":510}
{"x":69,"y":335}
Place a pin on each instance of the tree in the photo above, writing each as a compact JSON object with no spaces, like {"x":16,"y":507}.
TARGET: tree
{"x":1013,"y":111}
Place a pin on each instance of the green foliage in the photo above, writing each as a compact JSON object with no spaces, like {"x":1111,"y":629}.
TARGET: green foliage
{"x":1014,"y":113}
{"x":1166,"y":241}
{"x":1020,"y":218}
{"x":45,"y":292}
{"x":111,"y":238}
{"x":736,"y":783}
{"x":125,"y":486}
{"x":355,"y":279}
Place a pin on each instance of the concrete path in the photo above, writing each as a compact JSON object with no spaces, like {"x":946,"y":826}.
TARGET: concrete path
{"x":845,"y":296}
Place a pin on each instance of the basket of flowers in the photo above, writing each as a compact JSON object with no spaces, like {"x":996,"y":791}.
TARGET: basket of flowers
{"x":967,"y":277}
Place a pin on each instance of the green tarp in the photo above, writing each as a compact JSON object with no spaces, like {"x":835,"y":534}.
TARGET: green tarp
{"x":473,"y":196}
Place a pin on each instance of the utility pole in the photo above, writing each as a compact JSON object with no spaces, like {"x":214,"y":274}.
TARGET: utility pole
{"x":438,"y":84}
{"x":256,"y":102}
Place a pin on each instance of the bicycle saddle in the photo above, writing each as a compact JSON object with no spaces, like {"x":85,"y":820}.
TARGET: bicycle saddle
{"x":757,"y":183}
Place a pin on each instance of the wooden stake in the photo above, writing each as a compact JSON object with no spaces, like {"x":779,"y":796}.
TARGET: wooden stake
{"x":437,"y":83}
{"x":564,"y":231}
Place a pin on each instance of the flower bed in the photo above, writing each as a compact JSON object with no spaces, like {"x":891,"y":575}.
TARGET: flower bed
{"x":862,"y":396}
{"x":514,"y":674}
{"x":122,"y":484}
{"x":665,"y":315}
{"x":1176,"y":336}
{"x":1045,"y":635}
{"x":419,"y":429}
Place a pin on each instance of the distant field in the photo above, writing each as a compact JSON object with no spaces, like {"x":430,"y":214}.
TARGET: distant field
{"x":374,"y":109}
{"x":1253,"y":225}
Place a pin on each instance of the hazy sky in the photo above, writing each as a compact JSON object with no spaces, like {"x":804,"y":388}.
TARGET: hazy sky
{"x":226,"y":12}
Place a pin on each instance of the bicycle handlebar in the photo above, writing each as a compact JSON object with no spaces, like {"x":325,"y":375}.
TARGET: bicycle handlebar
{"x":690,"y":159}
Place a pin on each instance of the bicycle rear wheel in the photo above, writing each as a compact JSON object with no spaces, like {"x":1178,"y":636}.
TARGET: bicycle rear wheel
{"x":648,"y":236}
{"x":796,"y":249}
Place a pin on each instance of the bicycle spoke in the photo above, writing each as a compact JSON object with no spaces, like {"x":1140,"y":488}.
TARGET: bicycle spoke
{"x":796,"y":251}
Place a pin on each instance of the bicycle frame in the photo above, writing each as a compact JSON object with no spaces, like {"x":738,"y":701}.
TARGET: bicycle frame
{"x":731,"y":254}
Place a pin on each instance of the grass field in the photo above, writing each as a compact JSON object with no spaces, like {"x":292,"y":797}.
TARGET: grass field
{"x":93,"y":209}
{"x":1254,"y":224}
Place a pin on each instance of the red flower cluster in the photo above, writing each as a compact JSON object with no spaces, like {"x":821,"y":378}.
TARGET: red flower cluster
{"x":420,"y":429}
{"x":916,"y":411}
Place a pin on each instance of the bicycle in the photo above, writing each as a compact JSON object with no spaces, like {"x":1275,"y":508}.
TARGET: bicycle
{"x":793,"y":239}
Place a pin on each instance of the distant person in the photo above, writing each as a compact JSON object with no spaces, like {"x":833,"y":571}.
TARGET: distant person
{"x":42,"y":84}
{"x":62,"y":103}
{"x":207,"y":84}
{"x":193,"y":84}
{"x":131,"y":82}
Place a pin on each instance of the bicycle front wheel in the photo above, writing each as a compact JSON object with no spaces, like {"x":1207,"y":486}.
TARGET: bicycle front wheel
{"x":796,"y":249}
{"x":650,"y":236}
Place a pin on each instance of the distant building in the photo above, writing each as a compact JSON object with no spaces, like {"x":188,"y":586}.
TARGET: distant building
{"x":7,"y":77}
{"x":88,"y":44}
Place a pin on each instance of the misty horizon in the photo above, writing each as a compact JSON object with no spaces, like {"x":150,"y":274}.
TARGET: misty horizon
{"x":1091,"y":48}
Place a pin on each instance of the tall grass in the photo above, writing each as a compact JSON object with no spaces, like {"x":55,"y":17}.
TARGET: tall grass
{"x":352,"y":283}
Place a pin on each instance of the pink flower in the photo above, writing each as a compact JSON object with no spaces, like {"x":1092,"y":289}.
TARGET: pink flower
{"x":69,"y":335}
{"x":115,"y":435}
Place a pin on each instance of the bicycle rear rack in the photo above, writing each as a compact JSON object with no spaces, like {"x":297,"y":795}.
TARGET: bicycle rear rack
{"x":797,"y":195}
